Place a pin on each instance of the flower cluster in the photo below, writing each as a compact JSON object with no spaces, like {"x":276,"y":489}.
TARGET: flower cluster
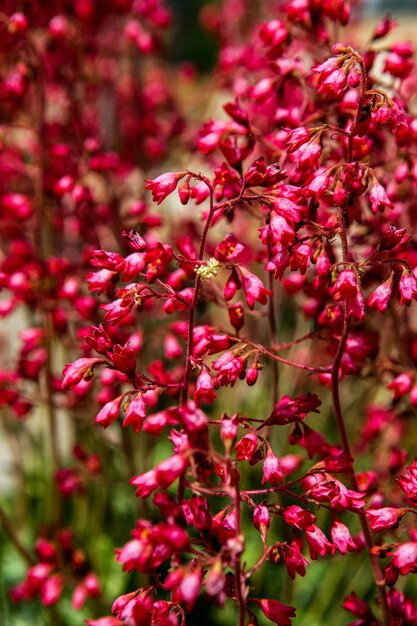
{"x":172,"y":316}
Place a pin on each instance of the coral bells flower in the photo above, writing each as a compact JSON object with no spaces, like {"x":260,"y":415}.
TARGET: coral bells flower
{"x":401,"y":385}
{"x":271,"y":469}
{"x":346,"y":286}
{"x":288,"y":410}
{"x":293,"y":559}
{"x":341,"y":536}
{"x":109,"y":413}
{"x":205,"y":387}
{"x":379,"y":198}
{"x":332,"y":78}
{"x":246,"y":447}
{"x":408,"y":482}
{"x":236,"y":315}
{"x":298,"y":517}
{"x":81,"y":369}
{"x":407,"y":288}
{"x":262,"y":520}
{"x":275,"y":611}
{"x":379,"y":299}
{"x":169,"y":470}
{"x":307,"y":155}
{"x":317,"y":542}
{"x":384,"y":518}
{"x":145,"y":483}
{"x":253,"y":288}
{"x":405,"y":558}
{"x":135,"y":413}
{"x":163,"y":185}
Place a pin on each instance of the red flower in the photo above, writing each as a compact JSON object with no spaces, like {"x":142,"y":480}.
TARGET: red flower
{"x":408,"y":288}
{"x":379,"y":299}
{"x":205,"y":387}
{"x":136,"y":413}
{"x":246,"y":447}
{"x":163,"y":185}
{"x":288,"y":410}
{"x":109,"y":413}
{"x":81,"y":369}
{"x":404,"y":558}
{"x":253,"y":288}
{"x":275,"y":611}
{"x":384,"y":518}
{"x":271,"y":469}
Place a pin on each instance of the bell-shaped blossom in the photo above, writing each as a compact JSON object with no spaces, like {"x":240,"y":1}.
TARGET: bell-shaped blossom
{"x":246,"y":447}
{"x":205,"y":387}
{"x":383,"y":518}
{"x":379,"y":198}
{"x":288,"y":410}
{"x":135,"y":413}
{"x":408,"y":482}
{"x":341,"y":536}
{"x":109,"y":412}
{"x":404,"y":558}
{"x":298,"y":517}
{"x":163,"y":185}
{"x":294,"y":561}
{"x":379,"y":299}
{"x":346,"y":286}
{"x":401,"y":385}
{"x":253,"y":288}
{"x":407,"y":288}
{"x":275,"y":611}
{"x":261,"y":520}
{"x":271,"y":469}
{"x":317,"y":541}
{"x":169,"y":470}
{"x":81,"y":369}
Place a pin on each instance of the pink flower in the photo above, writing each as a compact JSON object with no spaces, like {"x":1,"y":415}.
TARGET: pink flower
{"x":169,"y":470}
{"x":136,"y":413}
{"x":317,"y":542}
{"x":253,"y":288}
{"x":407,"y":288}
{"x":229,"y":249}
{"x":334,"y":84}
{"x":401,"y":385}
{"x":145,"y":483}
{"x":197,"y":512}
{"x":346,"y":286}
{"x":246,"y":447}
{"x":379,"y":199}
{"x":408,"y":482}
{"x":379,"y":299}
{"x":261,"y":520}
{"x":190,"y":587}
{"x":293,"y":559}
{"x":341,"y":536}
{"x":307,"y":155}
{"x":275,"y":611}
{"x":205,"y":387}
{"x":404,"y":557}
{"x":109,"y":413}
{"x":271,"y":469}
{"x":298,"y":517}
{"x":384,"y":518}
{"x":289,"y":410}
{"x":355,"y":306}
{"x":81,"y":369}
{"x":163,"y":185}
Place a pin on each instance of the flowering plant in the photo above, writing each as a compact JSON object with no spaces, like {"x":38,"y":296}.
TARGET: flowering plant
{"x":282,"y":260}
